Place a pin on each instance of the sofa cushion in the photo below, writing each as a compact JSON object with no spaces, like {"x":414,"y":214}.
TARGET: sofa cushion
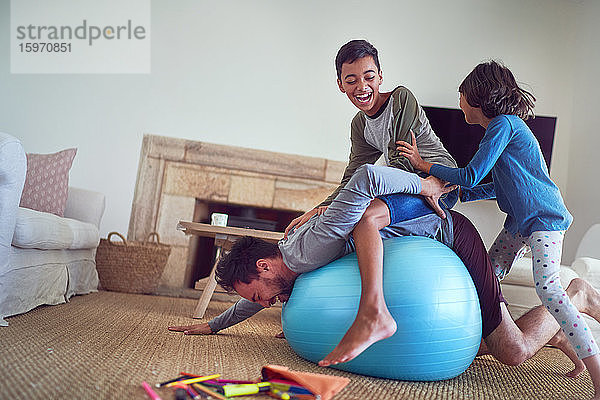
{"x":588,"y":247}
{"x":47,"y":181}
{"x":85,"y":205}
{"x":39,"y":230}
{"x":589,"y":269}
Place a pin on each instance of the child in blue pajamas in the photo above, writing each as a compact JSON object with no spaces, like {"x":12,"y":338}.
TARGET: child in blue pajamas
{"x":536,"y":214}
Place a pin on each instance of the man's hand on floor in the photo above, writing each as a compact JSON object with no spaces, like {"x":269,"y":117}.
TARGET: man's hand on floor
{"x":198,"y":329}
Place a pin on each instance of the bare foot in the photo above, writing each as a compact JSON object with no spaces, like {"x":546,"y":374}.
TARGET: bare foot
{"x":560,"y":341}
{"x":585,"y":297}
{"x":367,"y":328}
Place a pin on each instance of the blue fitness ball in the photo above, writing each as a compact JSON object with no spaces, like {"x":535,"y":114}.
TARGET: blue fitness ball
{"x":428,"y":291}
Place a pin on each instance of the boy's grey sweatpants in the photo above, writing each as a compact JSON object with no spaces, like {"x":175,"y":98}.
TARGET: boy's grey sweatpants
{"x":327,"y":237}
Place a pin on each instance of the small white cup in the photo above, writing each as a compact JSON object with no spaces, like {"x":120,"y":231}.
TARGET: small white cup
{"x":218,"y":219}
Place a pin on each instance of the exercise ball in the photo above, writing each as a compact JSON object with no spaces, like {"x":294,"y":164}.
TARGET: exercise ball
{"x":428,"y":291}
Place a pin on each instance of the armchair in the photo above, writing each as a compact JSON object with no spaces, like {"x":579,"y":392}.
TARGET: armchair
{"x":44,"y":258}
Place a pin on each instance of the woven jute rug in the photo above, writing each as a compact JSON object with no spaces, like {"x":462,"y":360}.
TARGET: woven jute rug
{"x":103,"y":345}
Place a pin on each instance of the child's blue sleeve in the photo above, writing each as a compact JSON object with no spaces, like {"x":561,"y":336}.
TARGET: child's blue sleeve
{"x":496,"y":138}
{"x":479,"y":192}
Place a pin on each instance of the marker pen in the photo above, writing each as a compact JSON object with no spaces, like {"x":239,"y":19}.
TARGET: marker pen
{"x":150,"y":392}
{"x":245,"y":389}
{"x":279,"y":394}
{"x":194,"y":380}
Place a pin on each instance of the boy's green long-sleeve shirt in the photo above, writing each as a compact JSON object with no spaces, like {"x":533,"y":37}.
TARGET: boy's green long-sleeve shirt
{"x":374,"y":136}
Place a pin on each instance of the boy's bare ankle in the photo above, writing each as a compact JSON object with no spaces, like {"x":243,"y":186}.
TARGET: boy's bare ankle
{"x":375,"y":307}
{"x":376,"y":319}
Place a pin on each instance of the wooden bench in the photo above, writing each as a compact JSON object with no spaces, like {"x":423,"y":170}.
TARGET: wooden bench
{"x":224,"y":237}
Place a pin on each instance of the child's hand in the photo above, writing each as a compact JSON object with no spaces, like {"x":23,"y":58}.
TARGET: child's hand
{"x":432,"y":189}
{"x":411,"y":152}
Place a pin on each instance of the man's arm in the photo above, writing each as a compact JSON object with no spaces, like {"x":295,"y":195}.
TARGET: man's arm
{"x":240,"y":311}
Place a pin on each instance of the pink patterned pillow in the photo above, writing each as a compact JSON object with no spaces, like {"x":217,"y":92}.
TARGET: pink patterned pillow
{"x":47,"y":181}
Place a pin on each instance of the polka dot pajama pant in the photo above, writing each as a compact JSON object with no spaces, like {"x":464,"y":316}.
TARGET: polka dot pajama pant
{"x":546,"y":250}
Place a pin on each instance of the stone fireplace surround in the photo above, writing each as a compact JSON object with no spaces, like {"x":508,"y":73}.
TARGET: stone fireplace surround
{"x":173,"y":174}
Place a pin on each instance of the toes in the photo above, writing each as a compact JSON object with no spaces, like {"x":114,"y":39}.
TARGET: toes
{"x":345,"y":359}
{"x":329,"y":360}
{"x":575,"y":372}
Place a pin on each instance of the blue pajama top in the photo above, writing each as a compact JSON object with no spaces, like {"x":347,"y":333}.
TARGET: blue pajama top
{"x":521,"y":183}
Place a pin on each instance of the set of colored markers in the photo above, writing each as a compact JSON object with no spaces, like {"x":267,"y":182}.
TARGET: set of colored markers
{"x":196,"y":387}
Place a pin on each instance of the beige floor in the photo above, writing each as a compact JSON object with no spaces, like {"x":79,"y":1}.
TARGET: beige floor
{"x":105,"y":344}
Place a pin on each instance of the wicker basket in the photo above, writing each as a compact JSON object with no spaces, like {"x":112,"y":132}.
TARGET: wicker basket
{"x":132,"y":267}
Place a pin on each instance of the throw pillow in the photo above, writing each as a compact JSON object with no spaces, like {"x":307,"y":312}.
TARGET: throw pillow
{"x":47,"y":181}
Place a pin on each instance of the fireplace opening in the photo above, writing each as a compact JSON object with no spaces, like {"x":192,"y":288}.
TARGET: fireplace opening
{"x":202,"y":248}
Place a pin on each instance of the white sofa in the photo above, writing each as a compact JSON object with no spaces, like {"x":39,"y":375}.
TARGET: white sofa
{"x":518,"y":287}
{"x":44,"y":259}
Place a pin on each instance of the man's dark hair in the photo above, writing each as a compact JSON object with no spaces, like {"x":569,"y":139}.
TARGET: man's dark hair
{"x":239,"y":265}
{"x":352,"y":51}
{"x":493,"y":88}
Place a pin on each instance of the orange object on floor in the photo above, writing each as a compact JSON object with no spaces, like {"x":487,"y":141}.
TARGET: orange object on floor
{"x":323,"y":385}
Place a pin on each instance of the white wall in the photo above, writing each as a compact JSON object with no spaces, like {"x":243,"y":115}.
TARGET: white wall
{"x":583,"y":195}
{"x":260,"y":74}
